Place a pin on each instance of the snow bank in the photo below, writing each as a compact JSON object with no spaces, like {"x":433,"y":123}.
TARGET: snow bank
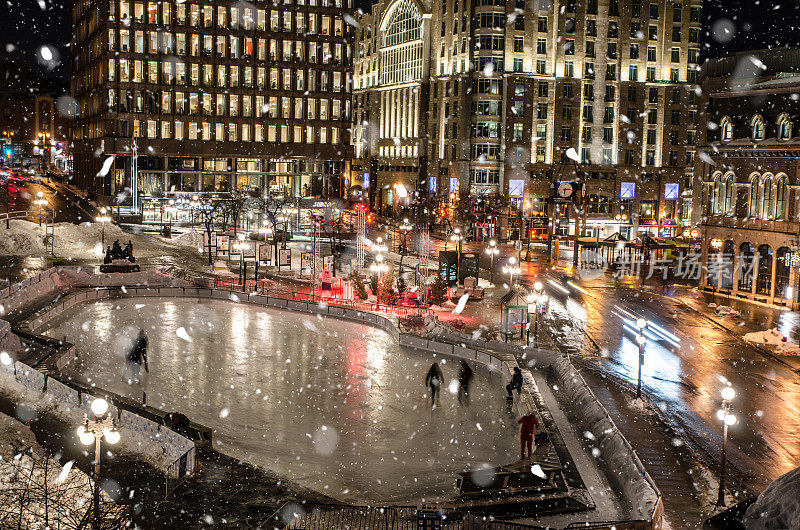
{"x":724,"y":310}
{"x":778,"y":506}
{"x":774,"y":338}
{"x":622,"y":465}
{"x":190,"y":238}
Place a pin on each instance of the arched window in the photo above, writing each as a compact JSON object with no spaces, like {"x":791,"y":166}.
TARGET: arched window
{"x":728,"y":255}
{"x":726,"y":129}
{"x":730,"y":194}
{"x":757,"y":123}
{"x":764,"y":279}
{"x":783,"y":265}
{"x":717,"y":194}
{"x":746,"y":254}
{"x":781,"y":197}
{"x":767,"y":199}
{"x":752,"y":210}
{"x":784,"y":127}
{"x":401,"y":41}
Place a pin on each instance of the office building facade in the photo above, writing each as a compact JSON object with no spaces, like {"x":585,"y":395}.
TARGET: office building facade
{"x":208,"y":96}
{"x":483,"y":97}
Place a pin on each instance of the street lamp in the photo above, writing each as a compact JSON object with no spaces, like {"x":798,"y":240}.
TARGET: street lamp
{"x":405,"y":227}
{"x":103,"y":219}
{"x":40,"y":202}
{"x":511,"y":269}
{"x":102,"y":426}
{"x":727,"y":418}
{"x":240,"y":245}
{"x":493,"y":251}
{"x":641,"y":324}
{"x":716,"y":244}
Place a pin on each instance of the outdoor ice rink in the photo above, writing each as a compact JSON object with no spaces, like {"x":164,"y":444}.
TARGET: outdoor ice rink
{"x":335,"y":406}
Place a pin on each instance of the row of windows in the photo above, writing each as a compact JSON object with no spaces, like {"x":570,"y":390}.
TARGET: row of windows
{"x":237,"y":16}
{"x":232,"y":105}
{"x":768,"y":195}
{"x":783,"y":129}
{"x":232,"y":76}
{"x":221,"y":132}
{"x":232,"y":46}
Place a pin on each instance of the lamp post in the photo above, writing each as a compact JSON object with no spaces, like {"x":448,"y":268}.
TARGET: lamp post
{"x":240,"y":245}
{"x":405,"y":228}
{"x":493,"y":251}
{"x":511,"y":269}
{"x":103,"y":219}
{"x":40,"y":202}
{"x":716,"y":244}
{"x":102,"y":426}
{"x":641,"y":324}
{"x":727,"y":419}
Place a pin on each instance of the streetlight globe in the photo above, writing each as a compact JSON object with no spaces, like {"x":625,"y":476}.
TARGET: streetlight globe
{"x":84,"y":436}
{"x":543,"y":299}
{"x":512,"y":260}
{"x":641,"y":323}
{"x":99,"y":406}
{"x":492,"y":242}
{"x":640,"y":339}
{"x":112,"y":435}
{"x":531,"y":298}
{"x":40,"y":194}
{"x":379,"y":258}
{"x":730,"y":419}
{"x":537,"y":286}
{"x":721,"y":415}
{"x":728,"y":393}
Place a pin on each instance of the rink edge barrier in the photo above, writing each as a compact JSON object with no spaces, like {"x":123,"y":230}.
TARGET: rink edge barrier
{"x":608,"y":433}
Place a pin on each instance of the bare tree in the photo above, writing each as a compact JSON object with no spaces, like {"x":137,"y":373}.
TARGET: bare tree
{"x":37,"y":492}
{"x":210,"y":215}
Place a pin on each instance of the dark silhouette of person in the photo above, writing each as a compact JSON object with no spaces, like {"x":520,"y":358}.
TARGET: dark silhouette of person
{"x":138,"y":355}
{"x":464,"y":380}
{"x":129,"y":252}
{"x":514,"y":384}
{"x":529,"y":425}
{"x":107,"y":258}
{"x":434,"y":380}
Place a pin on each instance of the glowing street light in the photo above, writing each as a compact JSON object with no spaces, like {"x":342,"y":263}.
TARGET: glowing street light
{"x":240,"y":245}
{"x":492,"y":251}
{"x":727,"y":418}
{"x":94,"y":430}
{"x":511,"y":269}
{"x":641,"y":324}
{"x":41,"y":202}
{"x":103,"y":219}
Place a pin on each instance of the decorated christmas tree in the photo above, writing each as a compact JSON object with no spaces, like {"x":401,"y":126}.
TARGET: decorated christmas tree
{"x":438,"y":291}
{"x":387,"y":295}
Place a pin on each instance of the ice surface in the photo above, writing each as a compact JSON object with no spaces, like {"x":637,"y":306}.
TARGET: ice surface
{"x":336,"y":406}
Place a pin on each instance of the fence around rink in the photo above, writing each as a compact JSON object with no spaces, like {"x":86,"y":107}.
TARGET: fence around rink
{"x":479,"y":353}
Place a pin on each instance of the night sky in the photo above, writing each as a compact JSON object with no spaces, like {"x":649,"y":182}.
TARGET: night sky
{"x":729,"y":25}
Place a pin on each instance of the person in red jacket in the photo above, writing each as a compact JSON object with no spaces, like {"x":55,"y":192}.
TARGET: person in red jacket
{"x":529,"y":425}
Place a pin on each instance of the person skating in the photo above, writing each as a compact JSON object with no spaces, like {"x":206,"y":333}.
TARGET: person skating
{"x":529,"y":425}
{"x":434,"y":380}
{"x":514,"y":384}
{"x":464,"y":380}
{"x":138,"y":355}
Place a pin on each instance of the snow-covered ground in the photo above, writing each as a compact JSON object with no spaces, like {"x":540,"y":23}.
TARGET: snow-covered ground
{"x":774,"y":339}
{"x":336,"y":406}
{"x":778,"y":506}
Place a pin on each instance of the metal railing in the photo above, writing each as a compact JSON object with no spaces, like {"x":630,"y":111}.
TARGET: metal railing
{"x":177,"y":471}
{"x":292,"y":515}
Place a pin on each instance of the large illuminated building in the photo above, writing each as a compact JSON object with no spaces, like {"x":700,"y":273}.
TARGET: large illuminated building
{"x":487,"y":96}
{"x":214,"y":96}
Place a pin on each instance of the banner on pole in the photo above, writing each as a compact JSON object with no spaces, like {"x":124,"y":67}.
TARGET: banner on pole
{"x":285,"y":257}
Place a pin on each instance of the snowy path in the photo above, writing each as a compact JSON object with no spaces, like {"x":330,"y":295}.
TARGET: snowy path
{"x":336,"y":406}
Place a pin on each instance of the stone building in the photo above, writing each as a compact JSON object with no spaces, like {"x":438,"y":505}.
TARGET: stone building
{"x":487,"y":97}
{"x":748,"y":176}
{"x":212,"y":96}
